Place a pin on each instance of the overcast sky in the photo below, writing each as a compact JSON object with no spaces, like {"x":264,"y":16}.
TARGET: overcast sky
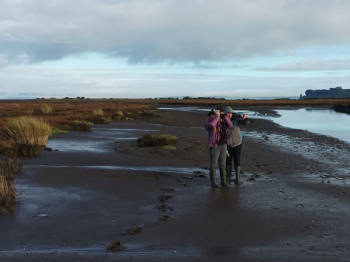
{"x":161,"y":48}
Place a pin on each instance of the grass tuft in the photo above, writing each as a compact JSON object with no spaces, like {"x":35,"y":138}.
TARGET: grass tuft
{"x":29,"y":111}
{"x":157,"y":140}
{"x":97,"y":112}
{"x":28,"y":135}
{"x":8,"y":197}
{"x":45,"y":108}
{"x":81,"y":125}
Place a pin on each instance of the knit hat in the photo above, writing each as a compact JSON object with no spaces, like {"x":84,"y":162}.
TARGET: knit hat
{"x":228,"y":109}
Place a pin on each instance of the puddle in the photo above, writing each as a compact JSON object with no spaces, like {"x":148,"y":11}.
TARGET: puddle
{"x":177,"y":170}
{"x":100,"y":250}
{"x":96,"y":141}
{"x":70,"y":145}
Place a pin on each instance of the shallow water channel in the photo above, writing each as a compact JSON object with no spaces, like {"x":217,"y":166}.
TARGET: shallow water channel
{"x":323,"y":121}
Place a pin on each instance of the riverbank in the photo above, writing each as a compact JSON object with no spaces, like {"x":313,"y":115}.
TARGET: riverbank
{"x":99,"y":185}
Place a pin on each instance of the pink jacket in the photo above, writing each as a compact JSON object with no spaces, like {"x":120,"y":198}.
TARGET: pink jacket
{"x":213,"y":126}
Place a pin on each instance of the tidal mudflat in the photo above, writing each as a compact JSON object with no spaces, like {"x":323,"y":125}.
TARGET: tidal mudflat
{"x":97,"y":187}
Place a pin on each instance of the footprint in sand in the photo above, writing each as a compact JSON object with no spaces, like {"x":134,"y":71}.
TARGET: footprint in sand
{"x":164,"y":198}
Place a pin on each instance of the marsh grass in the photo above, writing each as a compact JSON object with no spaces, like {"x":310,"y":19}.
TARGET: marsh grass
{"x":82,"y":125}
{"x":45,"y":109}
{"x":97,"y":112}
{"x":28,"y":135}
{"x":29,"y":111}
{"x":8,"y":197}
{"x":157,"y":140}
{"x":64,"y":114}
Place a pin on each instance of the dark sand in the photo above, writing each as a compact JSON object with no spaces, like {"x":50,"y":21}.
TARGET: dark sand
{"x":76,"y":201}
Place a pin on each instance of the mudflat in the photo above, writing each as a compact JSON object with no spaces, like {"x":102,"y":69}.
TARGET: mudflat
{"x":99,"y":187}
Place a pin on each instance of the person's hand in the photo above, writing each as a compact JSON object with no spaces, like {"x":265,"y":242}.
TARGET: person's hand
{"x":217,"y":112}
{"x":245,"y":116}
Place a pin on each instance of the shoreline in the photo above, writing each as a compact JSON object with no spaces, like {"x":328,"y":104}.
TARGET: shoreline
{"x":296,"y":210}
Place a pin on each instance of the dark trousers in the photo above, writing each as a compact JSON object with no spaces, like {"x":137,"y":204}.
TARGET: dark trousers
{"x":235,"y":154}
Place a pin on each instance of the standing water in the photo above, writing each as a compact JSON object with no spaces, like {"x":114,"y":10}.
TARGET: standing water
{"x":321,"y":121}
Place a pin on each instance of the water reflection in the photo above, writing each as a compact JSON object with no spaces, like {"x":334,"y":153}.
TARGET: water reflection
{"x":321,"y":121}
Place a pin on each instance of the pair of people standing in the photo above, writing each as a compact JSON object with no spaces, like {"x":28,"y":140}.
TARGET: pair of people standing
{"x":224,"y":143}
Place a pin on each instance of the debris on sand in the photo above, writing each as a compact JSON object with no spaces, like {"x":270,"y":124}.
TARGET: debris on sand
{"x":116,"y":246}
{"x":164,"y":198}
{"x":188,"y":177}
{"x":165,"y":207}
{"x":198,"y":172}
{"x":135,"y":230}
{"x":253,"y":177}
{"x":164,"y":218}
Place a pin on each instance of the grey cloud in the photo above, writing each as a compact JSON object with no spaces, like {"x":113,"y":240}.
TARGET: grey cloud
{"x":310,"y":65}
{"x":153,"y":31}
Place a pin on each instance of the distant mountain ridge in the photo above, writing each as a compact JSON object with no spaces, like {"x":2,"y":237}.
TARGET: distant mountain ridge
{"x":324,"y":93}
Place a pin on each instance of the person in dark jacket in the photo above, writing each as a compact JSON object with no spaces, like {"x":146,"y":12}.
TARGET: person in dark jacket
{"x":234,"y":144}
{"x":216,"y":125}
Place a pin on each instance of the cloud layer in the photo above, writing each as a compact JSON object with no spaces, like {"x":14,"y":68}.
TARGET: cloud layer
{"x":154,"y":31}
{"x":310,"y":65}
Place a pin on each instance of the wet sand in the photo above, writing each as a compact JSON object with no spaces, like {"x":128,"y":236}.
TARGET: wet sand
{"x":76,"y":201}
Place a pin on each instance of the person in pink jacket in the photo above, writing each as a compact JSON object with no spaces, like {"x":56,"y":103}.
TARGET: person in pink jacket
{"x":216,"y":125}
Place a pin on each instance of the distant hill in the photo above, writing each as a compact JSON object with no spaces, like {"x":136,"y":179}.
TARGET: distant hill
{"x":324,"y":93}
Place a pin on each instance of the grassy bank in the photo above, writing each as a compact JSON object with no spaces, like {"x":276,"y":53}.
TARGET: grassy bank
{"x":16,"y":128}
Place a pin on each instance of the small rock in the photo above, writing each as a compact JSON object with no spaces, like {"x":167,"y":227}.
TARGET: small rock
{"x":48,"y":149}
{"x":164,"y":218}
{"x":135,"y":230}
{"x":116,"y":246}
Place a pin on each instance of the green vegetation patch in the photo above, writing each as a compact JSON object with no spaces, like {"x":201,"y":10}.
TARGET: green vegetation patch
{"x":58,"y":131}
{"x":171,"y":148}
{"x":81,"y":125}
{"x":156,"y":140}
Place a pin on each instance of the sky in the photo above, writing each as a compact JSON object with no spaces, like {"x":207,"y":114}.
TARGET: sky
{"x":172,"y":48}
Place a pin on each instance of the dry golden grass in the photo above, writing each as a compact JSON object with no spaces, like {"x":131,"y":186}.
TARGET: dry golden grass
{"x":64,"y":113}
{"x":8,"y":168}
{"x":29,"y":111}
{"x":8,"y":195}
{"x":97,"y":112}
{"x":45,"y":108}
{"x":28,"y":130}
